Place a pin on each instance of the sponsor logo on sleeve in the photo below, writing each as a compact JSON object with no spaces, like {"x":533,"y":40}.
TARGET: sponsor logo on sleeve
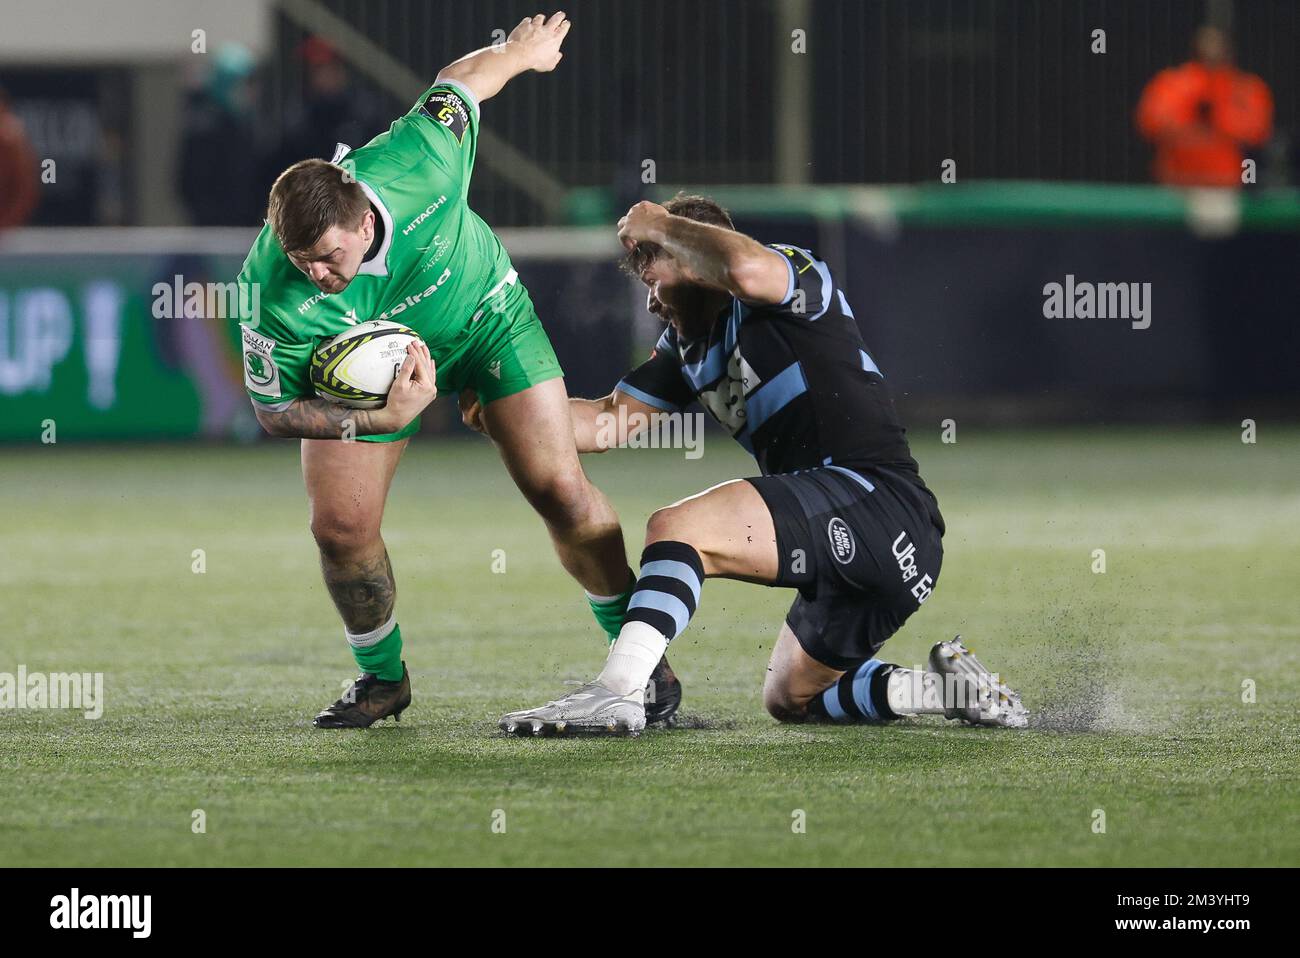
{"x":261,"y":375}
{"x":799,"y":258}
{"x":447,"y":109}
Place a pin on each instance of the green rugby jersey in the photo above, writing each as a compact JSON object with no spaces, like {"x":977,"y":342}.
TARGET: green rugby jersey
{"x":436,"y":262}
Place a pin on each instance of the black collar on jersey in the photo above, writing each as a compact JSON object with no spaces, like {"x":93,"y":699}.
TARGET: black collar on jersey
{"x":378,"y":242}
{"x":708,"y":330}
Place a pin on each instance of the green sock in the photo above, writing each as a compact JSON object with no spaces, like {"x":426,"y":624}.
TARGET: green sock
{"x":384,"y":658}
{"x":609,"y":612}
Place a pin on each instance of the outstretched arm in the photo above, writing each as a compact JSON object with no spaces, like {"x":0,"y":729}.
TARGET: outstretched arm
{"x":714,"y":255}
{"x":533,"y":45}
{"x":597,"y":424}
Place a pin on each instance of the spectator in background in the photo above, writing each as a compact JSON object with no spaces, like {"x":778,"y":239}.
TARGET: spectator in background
{"x":1200,"y":116}
{"x":333,"y":110}
{"x":220,"y":181}
{"x":19,"y":177}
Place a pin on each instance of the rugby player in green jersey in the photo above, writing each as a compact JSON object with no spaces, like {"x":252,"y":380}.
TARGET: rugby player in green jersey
{"x":385,"y":232}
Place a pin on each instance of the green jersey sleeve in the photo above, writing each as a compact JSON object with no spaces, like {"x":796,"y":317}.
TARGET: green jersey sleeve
{"x":276,"y":361}
{"x":445,"y":120}
{"x":275,"y":372}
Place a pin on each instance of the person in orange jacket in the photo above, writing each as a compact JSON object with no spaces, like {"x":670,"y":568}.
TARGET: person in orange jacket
{"x":19,"y":181}
{"x":1201,"y":114}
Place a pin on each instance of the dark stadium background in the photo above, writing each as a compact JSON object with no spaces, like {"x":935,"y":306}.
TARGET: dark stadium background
{"x":839,"y":148}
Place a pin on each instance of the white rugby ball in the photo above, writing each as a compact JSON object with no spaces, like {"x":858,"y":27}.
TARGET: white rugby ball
{"x":357,"y":367}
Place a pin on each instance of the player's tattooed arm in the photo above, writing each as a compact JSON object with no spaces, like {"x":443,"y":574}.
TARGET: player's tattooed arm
{"x":414,"y":387}
{"x":533,"y":45}
{"x":318,"y":419}
{"x":714,"y":255}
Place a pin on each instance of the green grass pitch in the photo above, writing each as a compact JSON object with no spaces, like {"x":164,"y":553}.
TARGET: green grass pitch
{"x":1136,"y":675}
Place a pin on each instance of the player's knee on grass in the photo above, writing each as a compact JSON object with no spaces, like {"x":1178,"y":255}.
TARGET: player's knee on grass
{"x":782,"y":705}
{"x":782,"y":702}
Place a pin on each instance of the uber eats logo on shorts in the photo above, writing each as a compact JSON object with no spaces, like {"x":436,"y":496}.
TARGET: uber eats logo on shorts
{"x":842,"y":543}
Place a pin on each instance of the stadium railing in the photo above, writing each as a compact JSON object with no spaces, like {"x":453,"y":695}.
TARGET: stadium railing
{"x":948,"y":283}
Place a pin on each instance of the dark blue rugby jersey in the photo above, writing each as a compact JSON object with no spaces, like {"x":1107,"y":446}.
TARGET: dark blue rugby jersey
{"x":792,"y":383}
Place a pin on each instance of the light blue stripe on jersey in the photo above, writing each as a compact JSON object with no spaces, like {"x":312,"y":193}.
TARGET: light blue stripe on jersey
{"x":825,"y":274}
{"x":672,"y":569}
{"x":645,"y":397}
{"x":738,"y":311}
{"x":706,"y":370}
{"x":869,"y":364}
{"x":844,"y":305}
{"x":670,"y":605}
{"x":773,"y":396}
{"x":831,"y":699}
{"x":865,"y":483}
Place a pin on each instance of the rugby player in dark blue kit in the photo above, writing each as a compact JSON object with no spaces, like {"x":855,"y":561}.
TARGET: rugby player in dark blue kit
{"x":765,"y":340}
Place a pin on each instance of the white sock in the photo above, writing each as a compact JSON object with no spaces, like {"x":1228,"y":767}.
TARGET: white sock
{"x":364,"y":640}
{"x":910,"y":692}
{"x":634,"y":655}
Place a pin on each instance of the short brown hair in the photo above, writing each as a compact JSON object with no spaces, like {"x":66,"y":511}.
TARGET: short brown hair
{"x":310,"y":197}
{"x":692,"y":206}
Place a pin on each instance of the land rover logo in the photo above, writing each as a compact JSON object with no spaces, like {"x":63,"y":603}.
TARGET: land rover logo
{"x":842,"y":543}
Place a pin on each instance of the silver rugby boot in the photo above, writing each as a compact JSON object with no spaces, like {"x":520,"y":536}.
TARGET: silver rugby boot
{"x":590,"y":710}
{"x":993,"y":702}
